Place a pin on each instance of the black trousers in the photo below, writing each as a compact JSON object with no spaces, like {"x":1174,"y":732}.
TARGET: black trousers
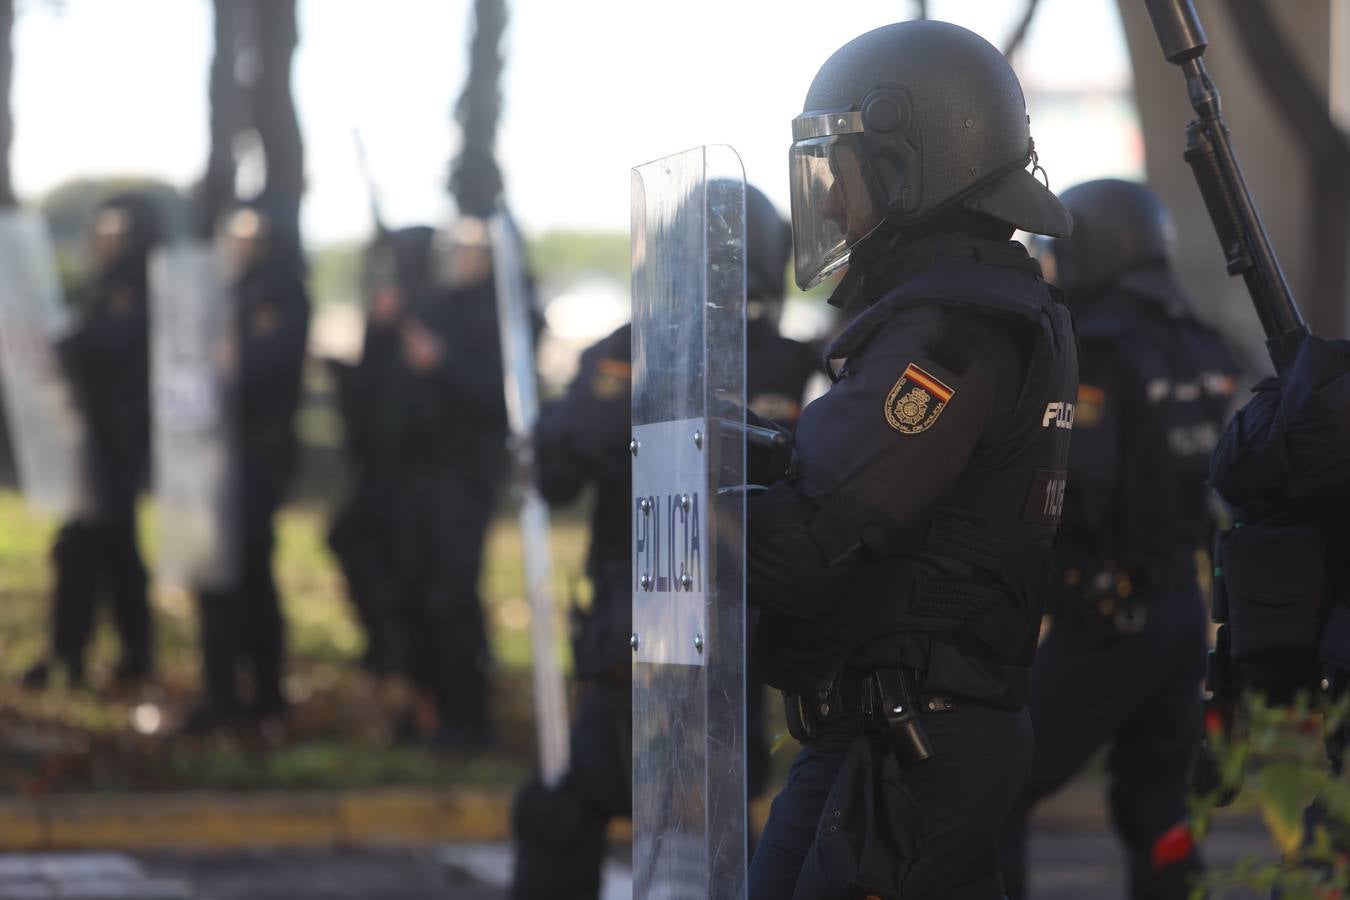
{"x":362,"y":538}
{"x":1139,"y":696}
{"x":958,"y":798}
{"x":242,"y":630}
{"x":100,"y":561}
{"x":443,"y":521}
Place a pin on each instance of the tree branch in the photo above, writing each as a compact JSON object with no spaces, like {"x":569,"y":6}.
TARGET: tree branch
{"x":7,"y":197}
{"x":1303,"y":107}
{"x":1020,"y":32}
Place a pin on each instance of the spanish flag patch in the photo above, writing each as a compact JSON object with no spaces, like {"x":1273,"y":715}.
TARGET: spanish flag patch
{"x":916,"y":401}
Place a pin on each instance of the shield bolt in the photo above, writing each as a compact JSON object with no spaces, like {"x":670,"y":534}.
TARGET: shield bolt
{"x":684,"y":502}
{"x":1326,"y":684}
{"x":633,"y":446}
{"x":645,"y":505}
{"x":698,"y":439}
{"x":633,"y":641}
{"x":698,"y":643}
{"x":686,"y":581}
{"x":646,"y":582}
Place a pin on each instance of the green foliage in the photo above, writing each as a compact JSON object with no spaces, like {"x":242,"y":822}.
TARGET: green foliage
{"x":69,"y":206}
{"x":335,"y":273}
{"x":340,"y":729}
{"x":565,"y":255}
{"x":1277,"y":756}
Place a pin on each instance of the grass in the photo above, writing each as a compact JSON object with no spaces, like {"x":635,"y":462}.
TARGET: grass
{"x":339,"y":733}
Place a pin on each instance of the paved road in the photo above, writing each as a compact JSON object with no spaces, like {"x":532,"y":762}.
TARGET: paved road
{"x":1080,"y":863}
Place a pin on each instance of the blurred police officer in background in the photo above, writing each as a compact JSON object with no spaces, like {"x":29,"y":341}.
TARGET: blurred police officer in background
{"x":580,"y":441}
{"x":242,"y":626}
{"x":1124,"y":659}
{"x":395,"y":272}
{"x":107,"y":360}
{"x":452,"y":460}
{"x":899,"y":563}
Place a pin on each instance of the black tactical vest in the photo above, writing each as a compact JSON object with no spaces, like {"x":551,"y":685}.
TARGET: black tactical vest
{"x":959,"y":595}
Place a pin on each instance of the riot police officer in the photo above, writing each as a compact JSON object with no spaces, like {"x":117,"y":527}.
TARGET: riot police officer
{"x":1283,"y":465}
{"x":452,"y":458}
{"x":899,"y":562}
{"x":581,"y":440}
{"x":1123,"y":661}
{"x":242,"y":627}
{"x":396,"y":271}
{"x":107,"y":361}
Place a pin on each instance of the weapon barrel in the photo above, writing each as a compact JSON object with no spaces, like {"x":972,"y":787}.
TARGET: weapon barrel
{"x":1178,"y":28}
{"x":1237,"y":221}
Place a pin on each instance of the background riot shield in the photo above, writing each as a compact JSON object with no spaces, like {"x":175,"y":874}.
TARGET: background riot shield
{"x":516,"y":325}
{"x":688,"y":447}
{"x":193,"y":363}
{"x":45,"y":427}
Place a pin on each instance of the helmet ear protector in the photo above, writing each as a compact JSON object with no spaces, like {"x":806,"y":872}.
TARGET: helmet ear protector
{"x":891,"y":140}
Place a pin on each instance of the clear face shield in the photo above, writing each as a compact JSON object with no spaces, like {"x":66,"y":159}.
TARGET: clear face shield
{"x":836,"y":199}
{"x":110,"y":237}
{"x":384,"y":293}
{"x":243,"y":241}
{"x":462,"y":254}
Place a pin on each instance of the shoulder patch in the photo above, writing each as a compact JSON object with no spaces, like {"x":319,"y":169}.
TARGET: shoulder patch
{"x":916,"y":401}
{"x":1090,"y":407}
{"x":610,"y":380}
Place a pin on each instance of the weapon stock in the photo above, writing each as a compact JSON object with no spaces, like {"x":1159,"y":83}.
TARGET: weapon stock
{"x":1209,"y":152}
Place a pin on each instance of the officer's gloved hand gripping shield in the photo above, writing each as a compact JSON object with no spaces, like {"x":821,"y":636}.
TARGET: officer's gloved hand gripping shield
{"x":45,"y":427}
{"x":193,"y":374}
{"x":688,"y":531}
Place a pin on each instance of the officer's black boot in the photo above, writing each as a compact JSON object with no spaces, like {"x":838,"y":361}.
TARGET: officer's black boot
{"x":77,"y":560}
{"x":130,"y":604}
{"x":559,"y":843}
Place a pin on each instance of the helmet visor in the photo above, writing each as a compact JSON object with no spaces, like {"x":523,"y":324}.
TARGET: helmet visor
{"x":836,"y":202}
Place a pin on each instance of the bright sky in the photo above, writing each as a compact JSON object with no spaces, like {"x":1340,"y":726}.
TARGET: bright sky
{"x":592,"y":88}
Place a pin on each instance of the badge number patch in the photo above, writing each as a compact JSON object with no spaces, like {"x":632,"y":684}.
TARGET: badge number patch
{"x":916,"y":401}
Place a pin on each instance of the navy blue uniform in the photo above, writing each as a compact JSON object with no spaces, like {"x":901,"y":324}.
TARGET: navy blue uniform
{"x":913,"y":534}
{"x":363,"y":530}
{"x":452,"y":459}
{"x":1283,"y":464}
{"x":1123,"y":661}
{"x":581,"y":440}
{"x":243,"y":626}
{"x":370,"y":399}
{"x":107,"y":360}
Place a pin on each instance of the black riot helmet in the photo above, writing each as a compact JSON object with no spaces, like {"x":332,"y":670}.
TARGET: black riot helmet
{"x":399,"y":258}
{"x":768,"y":244}
{"x":1119,"y":226}
{"x":904,"y":122}
{"x":262,"y":232}
{"x":124,"y":230}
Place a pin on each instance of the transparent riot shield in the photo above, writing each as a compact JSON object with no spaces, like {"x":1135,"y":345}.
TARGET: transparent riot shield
{"x":45,"y":427}
{"x":688,"y":445}
{"x":194,"y":361}
{"x":516,"y":325}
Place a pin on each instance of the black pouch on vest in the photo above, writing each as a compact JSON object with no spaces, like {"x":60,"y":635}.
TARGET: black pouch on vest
{"x":1276,"y":582}
{"x":868,"y":836}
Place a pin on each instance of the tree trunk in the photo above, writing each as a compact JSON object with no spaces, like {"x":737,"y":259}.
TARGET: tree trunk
{"x":475,"y":179}
{"x":274,"y":107}
{"x":1271,"y":153}
{"x":7,"y":197}
{"x":1304,"y":108}
{"x":229,"y":116}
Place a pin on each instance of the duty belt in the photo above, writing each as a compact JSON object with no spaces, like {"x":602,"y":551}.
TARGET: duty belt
{"x":887,"y":699}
